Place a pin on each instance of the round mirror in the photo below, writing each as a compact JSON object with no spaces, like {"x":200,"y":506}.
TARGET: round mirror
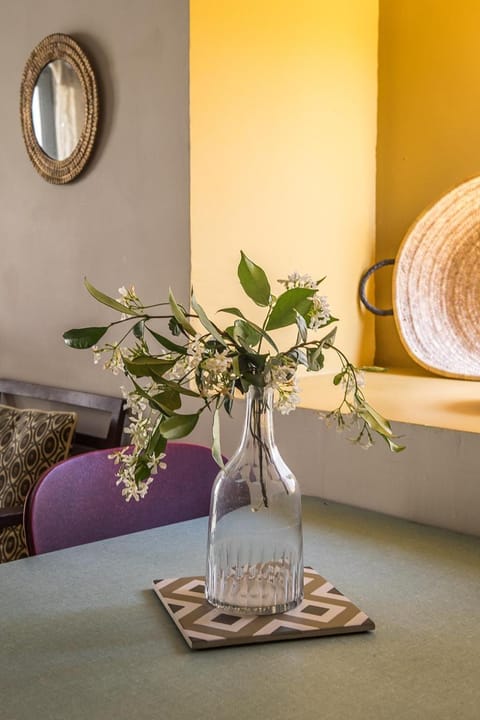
{"x":59,"y":108}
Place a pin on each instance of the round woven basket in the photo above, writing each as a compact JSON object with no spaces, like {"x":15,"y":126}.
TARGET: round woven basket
{"x":436,"y":285}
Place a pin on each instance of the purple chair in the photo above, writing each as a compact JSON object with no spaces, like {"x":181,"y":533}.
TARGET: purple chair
{"x":77,"y":501}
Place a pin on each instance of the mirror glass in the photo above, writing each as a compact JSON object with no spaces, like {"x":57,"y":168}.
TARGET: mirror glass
{"x":58,"y":109}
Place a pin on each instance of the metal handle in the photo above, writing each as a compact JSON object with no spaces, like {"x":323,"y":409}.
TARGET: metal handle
{"x":363,"y":284}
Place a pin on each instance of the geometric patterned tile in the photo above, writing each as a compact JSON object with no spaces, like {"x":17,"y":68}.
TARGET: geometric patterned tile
{"x":323,"y":611}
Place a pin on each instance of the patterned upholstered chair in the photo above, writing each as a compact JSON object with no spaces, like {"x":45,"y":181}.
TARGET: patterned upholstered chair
{"x":78,"y":500}
{"x":30,"y":442}
{"x":100,"y":425}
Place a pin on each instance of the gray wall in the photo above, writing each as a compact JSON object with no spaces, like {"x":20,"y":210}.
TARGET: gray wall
{"x":126,"y":218}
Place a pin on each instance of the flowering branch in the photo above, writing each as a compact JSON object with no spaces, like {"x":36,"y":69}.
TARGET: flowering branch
{"x":215,"y":364}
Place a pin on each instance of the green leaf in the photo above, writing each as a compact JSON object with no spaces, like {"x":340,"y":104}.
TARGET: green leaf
{"x":180,"y":316}
{"x":232,"y":311}
{"x":246,"y":334}
{"x":377,"y":419}
{"x":107,"y":300}
{"x":138,"y":329}
{"x":328,"y":339}
{"x":157,"y":442}
{"x":140,"y":391}
{"x":302,"y":326}
{"x":174,"y":326}
{"x":295,"y":300}
{"x":255,"y":379}
{"x":216,"y":449}
{"x":254,"y":281}
{"x":253,"y":363}
{"x":179,"y":388}
{"x":142,"y":471}
{"x":83,"y":338}
{"x":236,"y":366}
{"x":315,"y":358}
{"x":228,"y":399}
{"x":146,"y":366}
{"x":207,"y":324}
{"x":168,"y":400}
{"x":178,"y":426}
{"x":299,"y":356}
{"x":229,"y":331}
{"x":238,"y":313}
{"x":338,"y":378}
{"x":372,"y":422}
{"x":394,"y":447}
{"x":167,"y":344}
{"x":380,"y":425}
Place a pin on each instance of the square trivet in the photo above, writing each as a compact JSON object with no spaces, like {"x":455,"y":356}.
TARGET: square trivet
{"x":323,"y":611}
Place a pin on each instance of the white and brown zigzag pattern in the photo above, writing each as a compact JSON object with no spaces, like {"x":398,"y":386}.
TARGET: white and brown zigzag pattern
{"x":324,"y":611}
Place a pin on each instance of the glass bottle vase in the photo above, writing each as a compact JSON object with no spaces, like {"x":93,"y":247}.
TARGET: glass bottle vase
{"x":255,"y":553}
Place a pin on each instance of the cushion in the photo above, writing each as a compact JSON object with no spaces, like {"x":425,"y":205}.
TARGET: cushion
{"x":31,"y":441}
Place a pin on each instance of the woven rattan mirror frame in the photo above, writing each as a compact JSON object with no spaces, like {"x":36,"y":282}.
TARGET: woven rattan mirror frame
{"x":59,"y":47}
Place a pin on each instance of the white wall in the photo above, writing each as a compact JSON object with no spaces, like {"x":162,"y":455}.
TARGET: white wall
{"x":434,"y":481}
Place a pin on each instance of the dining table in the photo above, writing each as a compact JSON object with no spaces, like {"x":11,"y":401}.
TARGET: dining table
{"x":83,"y":636}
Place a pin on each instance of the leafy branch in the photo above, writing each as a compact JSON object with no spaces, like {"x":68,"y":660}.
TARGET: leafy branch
{"x":213,"y":365}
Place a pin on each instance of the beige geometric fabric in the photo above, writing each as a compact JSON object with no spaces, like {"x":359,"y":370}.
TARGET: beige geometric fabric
{"x":31,"y":441}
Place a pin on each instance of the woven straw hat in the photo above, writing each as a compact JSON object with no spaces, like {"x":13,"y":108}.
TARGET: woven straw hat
{"x":436,"y":285}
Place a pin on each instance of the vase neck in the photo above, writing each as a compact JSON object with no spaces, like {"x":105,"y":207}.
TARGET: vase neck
{"x":258,"y":426}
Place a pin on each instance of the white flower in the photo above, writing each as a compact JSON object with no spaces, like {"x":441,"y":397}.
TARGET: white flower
{"x":117,"y":456}
{"x":115,"y":361}
{"x":126,"y":473}
{"x":136,"y":491}
{"x":216,"y":375}
{"x":134,"y":402}
{"x":187,"y":364}
{"x":139,"y":429}
{"x":155,"y":463}
{"x":297,"y":280}
{"x":320,"y":314}
{"x":353,"y":380}
{"x":180,"y":370}
{"x":196,"y":348}
{"x":217,"y":364}
{"x":283,"y":380}
{"x":128,"y":296}
{"x":287,"y":401}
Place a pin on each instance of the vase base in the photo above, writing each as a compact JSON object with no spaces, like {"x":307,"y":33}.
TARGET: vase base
{"x":237,"y":609}
{"x":262,"y":588}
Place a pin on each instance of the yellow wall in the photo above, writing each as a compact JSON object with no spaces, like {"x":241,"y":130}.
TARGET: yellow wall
{"x":283,"y":130}
{"x":428,"y":124}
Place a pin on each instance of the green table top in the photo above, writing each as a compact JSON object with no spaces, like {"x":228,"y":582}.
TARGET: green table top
{"x":82,"y":634}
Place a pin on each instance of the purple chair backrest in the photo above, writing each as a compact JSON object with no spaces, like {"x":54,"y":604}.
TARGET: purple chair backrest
{"x":78,"y":501}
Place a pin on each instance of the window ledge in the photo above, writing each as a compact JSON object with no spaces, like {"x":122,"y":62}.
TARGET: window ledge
{"x":405,"y":395}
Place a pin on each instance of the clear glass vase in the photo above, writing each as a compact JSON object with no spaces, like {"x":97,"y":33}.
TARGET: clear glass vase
{"x":255,"y":553}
